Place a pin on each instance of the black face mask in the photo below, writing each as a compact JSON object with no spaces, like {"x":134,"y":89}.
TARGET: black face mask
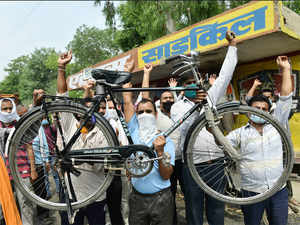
{"x":167,"y":106}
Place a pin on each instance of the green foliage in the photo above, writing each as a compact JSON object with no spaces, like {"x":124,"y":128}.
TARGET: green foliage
{"x":91,"y":45}
{"x":144,"y":21}
{"x":29,"y":72}
{"x":293,"y":5}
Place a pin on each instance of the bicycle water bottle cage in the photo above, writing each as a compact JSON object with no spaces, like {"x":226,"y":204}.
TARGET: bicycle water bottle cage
{"x":111,"y":77}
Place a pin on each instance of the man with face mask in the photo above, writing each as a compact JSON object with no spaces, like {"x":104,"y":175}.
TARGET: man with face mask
{"x":7,"y":201}
{"x":26,"y":160}
{"x":151,"y":200}
{"x":265,"y":149}
{"x":194,"y":195}
{"x":265,"y":92}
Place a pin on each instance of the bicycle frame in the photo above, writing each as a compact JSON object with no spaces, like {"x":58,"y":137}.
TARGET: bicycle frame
{"x":97,"y":99}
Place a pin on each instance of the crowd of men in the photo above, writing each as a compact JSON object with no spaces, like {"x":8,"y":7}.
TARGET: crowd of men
{"x":150,"y":200}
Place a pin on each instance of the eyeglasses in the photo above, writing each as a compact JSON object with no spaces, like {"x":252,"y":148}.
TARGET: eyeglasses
{"x":144,"y":111}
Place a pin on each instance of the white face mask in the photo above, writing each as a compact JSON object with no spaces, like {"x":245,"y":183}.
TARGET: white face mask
{"x":147,"y":127}
{"x":111,"y":114}
{"x":6,"y":117}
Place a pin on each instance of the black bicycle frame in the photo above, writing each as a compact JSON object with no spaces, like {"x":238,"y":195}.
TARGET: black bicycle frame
{"x":97,"y":99}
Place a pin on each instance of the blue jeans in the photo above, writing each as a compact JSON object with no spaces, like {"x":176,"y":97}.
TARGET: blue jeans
{"x":194,"y":197}
{"x":55,"y":176}
{"x":276,"y":207}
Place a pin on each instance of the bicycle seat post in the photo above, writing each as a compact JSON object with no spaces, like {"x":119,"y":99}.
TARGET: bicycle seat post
{"x":100,"y":87}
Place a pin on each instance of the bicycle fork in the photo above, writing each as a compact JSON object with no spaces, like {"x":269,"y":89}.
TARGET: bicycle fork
{"x":213,"y":121}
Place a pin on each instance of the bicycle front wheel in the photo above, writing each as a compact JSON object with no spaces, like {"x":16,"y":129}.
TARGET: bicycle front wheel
{"x":38,"y":143}
{"x":251,"y":173}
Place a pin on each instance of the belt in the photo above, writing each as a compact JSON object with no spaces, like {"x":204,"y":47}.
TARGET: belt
{"x":153,"y":194}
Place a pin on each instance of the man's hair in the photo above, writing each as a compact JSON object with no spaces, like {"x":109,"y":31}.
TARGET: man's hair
{"x":102,"y":101}
{"x":260,"y":98}
{"x":165,"y":92}
{"x":146,"y":100}
{"x":266,"y":90}
{"x":184,"y":78}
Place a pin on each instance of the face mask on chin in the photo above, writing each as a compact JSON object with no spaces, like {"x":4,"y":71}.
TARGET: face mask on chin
{"x":167,"y":106}
{"x":147,"y":127}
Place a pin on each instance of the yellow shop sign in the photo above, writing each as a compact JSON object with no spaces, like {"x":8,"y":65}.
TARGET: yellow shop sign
{"x":254,"y":19}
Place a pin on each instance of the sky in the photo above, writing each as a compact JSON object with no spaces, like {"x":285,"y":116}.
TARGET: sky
{"x":26,"y":25}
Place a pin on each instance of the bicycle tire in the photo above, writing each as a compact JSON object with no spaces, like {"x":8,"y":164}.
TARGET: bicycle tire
{"x":233,"y":196}
{"x":26,"y":130}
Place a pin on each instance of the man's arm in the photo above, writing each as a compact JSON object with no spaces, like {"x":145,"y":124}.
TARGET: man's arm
{"x":31,"y":158}
{"x":256,"y":83}
{"x":219,"y":87}
{"x":127,"y":96}
{"x":62,"y":61}
{"x":145,"y":84}
{"x":285,"y":67}
{"x":284,"y":104}
{"x":164,"y":171}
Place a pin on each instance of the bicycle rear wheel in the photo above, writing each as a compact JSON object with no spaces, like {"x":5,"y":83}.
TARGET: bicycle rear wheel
{"x":257,"y":174}
{"x":46,"y":190}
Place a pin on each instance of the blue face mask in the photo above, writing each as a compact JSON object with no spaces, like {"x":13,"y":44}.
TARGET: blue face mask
{"x":190,"y":94}
{"x":256,"y":119}
{"x":45,"y":122}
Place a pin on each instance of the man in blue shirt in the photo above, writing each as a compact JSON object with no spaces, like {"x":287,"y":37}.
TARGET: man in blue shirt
{"x":151,"y":200}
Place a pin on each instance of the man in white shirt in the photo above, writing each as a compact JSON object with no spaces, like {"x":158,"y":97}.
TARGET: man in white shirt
{"x":262,"y":157}
{"x":194,"y":195}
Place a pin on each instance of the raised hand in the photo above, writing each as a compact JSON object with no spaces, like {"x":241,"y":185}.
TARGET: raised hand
{"x":257,"y":82}
{"x":212,"y":79}
{"x":129,"y":65}
{"x":64,"y":58}
{"x":230,"y":37}
{"x":172,"y":82}
{"x":89,"y":85}
{"x":283,"y":62}
{"x":148,"y":68}
{"x":37,"y":96}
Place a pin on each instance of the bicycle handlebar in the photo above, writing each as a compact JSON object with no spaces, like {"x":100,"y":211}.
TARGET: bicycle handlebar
{"x":188,"y":57}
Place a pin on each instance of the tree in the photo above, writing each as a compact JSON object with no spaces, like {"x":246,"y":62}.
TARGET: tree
{"x":144,"y":21}
{"x":293,"y":5}
{"x":29,"y":72}
{"x":91,"y":45}
{"x":14,"y":69}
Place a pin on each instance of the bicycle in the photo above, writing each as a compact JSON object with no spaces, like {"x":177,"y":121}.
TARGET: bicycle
{"x":138,"y":160}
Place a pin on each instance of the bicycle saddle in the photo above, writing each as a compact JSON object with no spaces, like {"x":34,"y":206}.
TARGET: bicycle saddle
{"x":112,"y":77}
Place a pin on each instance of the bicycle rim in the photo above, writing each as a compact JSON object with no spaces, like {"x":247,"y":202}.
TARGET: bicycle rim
{"x":46,"y":190}
{"x":249,"y":179}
